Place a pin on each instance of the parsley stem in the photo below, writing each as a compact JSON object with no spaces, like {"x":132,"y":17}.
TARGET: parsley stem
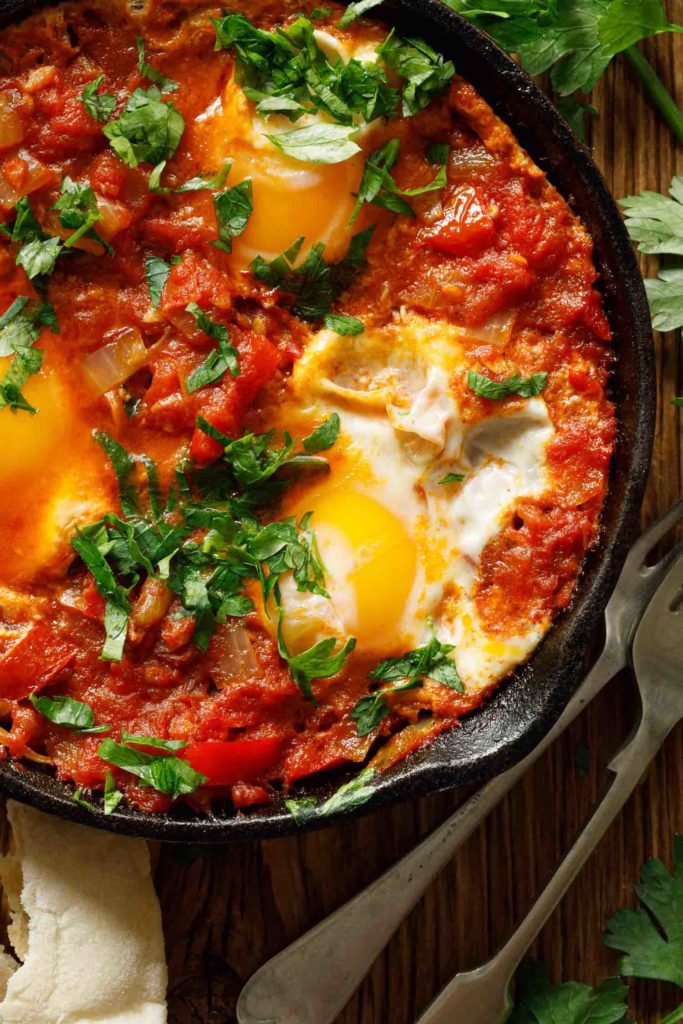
{"x":675,"y":1017}
{"x":657,"y":92}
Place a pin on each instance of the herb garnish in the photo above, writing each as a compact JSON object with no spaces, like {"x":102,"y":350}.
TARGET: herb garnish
{"x":379,"y":188}
{"x":539,"y":1002}
{"x":147,"y":131}
{"x":452,"y":478}
{"x":100,"y":105}
{"x":66,"y":711}
{"x":220,"y":360}
{"x":157,"y":271}
{"x":20,"y":327}
{"x":233,"y":209}
{"x":525,"y":387}
{"x":165,"y":84}
{"x":355,"y":10}
{"x":405,"y":673}
{"x":352,"y":794}
{"x":324,"y":436}
{"x":196,"y":184}
{"x":112,"y":795}
{"x":77,"y":208}
{"x":425,"y":73}
{"x":167,"y":773}
{"x":342,"y":324}
{"x":314,"y":284}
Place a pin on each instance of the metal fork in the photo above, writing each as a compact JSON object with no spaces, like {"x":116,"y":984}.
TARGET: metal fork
{"x":483,"y":996}
{"x":288,"y":989}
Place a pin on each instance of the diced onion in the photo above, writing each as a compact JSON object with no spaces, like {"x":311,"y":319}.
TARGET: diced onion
{"x":114,"y":363}
{"x":495,"y":331}
{"x":236,"y":658}
{"x":11,"y":129}
{"x":39,"y":78}
{"x":152,"y":604}
{"x":115,"y":217}
{"x":37,"y":175}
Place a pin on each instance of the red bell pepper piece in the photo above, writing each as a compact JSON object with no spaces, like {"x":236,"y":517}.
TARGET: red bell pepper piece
{"x":227,"y":762}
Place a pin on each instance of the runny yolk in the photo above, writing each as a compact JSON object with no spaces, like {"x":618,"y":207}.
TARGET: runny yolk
{"x":371,"y":563}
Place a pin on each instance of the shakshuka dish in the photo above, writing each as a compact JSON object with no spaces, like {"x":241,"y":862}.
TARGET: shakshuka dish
{"x":304,"y":433}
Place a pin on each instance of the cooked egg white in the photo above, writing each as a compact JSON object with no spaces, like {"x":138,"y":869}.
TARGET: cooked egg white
{"x":399,"y":546}
{"x":290,"y":198}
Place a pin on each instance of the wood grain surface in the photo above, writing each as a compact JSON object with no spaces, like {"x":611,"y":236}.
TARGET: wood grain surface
{"x":227,"y":911}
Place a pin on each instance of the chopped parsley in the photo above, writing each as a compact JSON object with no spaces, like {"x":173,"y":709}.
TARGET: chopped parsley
{"x":164,"y":84}
{"x":425,"y":73}
{"x":525,"y":387}
{"x":286,"y":72}
{"x":77,"y":208}
{"x":379,"y":188}
{"x":324,"y":436}
{"x":156,"y":272}
{"x":354,"y":10}
{"x":20,"y":327}
{"x":318,"y":143}
{"x":112,"y":795}
{"x":342,"y":324}
{"x":66,"y":711}
{"x":405,"y":673}
{"x":100,"y":105}
{"x":196,"y":184}
{"x":452,"y":478}
{"x":233,"y":209}
{"x":220,"y":360}
{"x":352,"y":794}
{"x":167,"y":773}
{"x":314,"y":284}
{"x":148,"y":130}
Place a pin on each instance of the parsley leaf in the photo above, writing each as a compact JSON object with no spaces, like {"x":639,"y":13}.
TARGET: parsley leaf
{"x":157,"y":271}
{"x":147,"y":131}
{"x":431,"y":661}
{"x":321,"y":661}
{"x":314,"y":284}
{"x":352,"y":794}
{"x":112,"y":795}
{"x":342,"y":324}
{"x":166,"y":773}
{"x":355,"y":10}
{"x":196,"y":184}
{"x":525,"y":387}
{"x":20,"y":327}
{"x":425,"y":73}
{"x":39,"y":256}
{"x":233,"y":209}
{"x":655,"y":223}
{"x":318,"y":143}
{"x":452,"y":478}
{"x":379,"y":188}
{"x":652,"y":936}
{"x":220,"y":360}
{"x":68,"y":712}
{"x":100,"y":105}
{"x":626,"y":22}
{"x":324,"y":436}
{"x":165,"y":84}
{"x":77,"y":208}
{"x":539,"y":1002}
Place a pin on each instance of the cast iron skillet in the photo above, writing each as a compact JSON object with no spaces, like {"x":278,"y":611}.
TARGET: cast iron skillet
{"x":524,"y":708}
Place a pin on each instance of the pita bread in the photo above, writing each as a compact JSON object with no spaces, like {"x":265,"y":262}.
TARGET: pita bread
{"x":86,"y":923}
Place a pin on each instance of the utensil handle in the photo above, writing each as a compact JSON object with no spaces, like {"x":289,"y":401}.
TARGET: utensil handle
{"x":344,"y":945}
{"x":482,"y":996}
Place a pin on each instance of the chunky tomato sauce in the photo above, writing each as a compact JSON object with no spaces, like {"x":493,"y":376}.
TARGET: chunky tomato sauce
{"x":496,"y":251}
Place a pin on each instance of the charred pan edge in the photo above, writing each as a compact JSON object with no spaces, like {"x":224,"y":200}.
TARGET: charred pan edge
{"x":529,"y":702}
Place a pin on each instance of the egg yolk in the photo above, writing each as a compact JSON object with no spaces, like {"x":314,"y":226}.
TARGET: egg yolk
{"x":51,"y":479}
{"x":291,"y":198}
{"x":371,"y":563}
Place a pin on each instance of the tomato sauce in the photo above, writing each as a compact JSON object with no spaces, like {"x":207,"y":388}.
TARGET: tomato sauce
{"x":497,"y":245}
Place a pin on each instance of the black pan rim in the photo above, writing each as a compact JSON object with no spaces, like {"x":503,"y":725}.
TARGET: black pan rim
{"x":505,"y":730}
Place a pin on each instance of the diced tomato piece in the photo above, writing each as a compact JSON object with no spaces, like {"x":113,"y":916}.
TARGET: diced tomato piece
{"x":196,"y":280}
{"x":246,"y":795}
{"x":227,"y":762}
{"x":224,"y":406}
{"x":466,"y":228}
{"x":329,"y":749}
{"x":33,"y":662}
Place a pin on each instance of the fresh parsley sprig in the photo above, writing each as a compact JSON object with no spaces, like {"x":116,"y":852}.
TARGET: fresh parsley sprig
{"x":655,"y":223}
{"x":577,"y":39}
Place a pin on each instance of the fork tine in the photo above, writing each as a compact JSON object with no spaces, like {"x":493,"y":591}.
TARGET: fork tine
{"x":645,"y":543}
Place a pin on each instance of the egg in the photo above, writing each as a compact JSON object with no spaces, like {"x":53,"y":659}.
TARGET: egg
{"x":291,"y":198}
{"x":400,"y":547}
{"x":53,"y":478}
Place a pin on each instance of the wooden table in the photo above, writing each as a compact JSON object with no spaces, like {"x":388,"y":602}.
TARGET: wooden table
{"x":227,"y":911}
